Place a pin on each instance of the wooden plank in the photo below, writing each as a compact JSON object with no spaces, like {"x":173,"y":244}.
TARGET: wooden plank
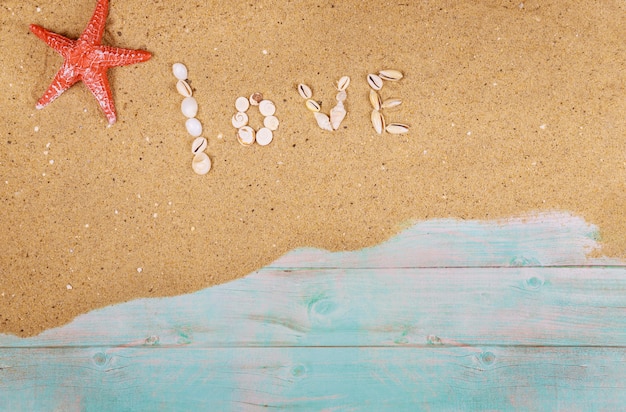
{"x":370,"y":307}
{"x":445,"y":316}
{"x":334,"y":379}
{"x":542,"y":239}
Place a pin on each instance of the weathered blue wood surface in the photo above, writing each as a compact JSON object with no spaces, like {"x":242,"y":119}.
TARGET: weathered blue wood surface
{"x":447,"y":315}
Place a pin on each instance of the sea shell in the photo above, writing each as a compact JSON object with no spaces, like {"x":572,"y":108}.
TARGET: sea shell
{"x":323,"y":121}
{"x":341,"y":96}
{"x":397,"y":128}
{"x":343,"y":83}
{"x":201,"y":163}
{"x":378,"y":121}
{"x":267,"y":107}
{"x":312,"y":105}
{"x":374,"y":81}
{"x":199,"y":145}
{"x":180,"y":71}
{"x":189,"y":107}
{"x":337,"y":114}
{"x":194,"y":127}
{"x":245,"y":135}
{"x":391,"y":75}
{"x":242,"y":104}
{"x":264,"y":136}
{"x":271,"y":122}
{"x":255,"y":98}
{"x":239,"y":119}
{"x":183,"y":88}
{"x":389,"y":103}
{"x":375,"y":100}
{"x":305,"y":91}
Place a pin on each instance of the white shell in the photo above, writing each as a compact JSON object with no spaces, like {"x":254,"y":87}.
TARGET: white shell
{"x":180,"y":71}
{"x":323,"y":121}
{"x":343,"y":83}
{"x":194,"y":127}
{"x":201,"y":163}
{"x":378,"y":121}
{"x":239,"y":120}
{"x":337,"y":114}
{"x":391,"y":75}
{"x":312,"y":105}
{"x":397,"y":128}
{"x":341,"y":96}
{"x":264,"y":136}
{"x":242,"y":104}
{"x":271,"y":122}
{"x":199,"y":145}
{"x":189,"y":107}
{"x":245,"y":135}
{"x":375,"y":100}
{"x":183,"y":88}
{"x":305,"y":91}
{"x":267,"y":107}
{"x":389,"y":103}
{"x":255,"y":98}
{"x":374,"y":81}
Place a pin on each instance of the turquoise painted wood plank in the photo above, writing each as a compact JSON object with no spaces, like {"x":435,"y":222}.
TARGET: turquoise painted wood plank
{"x":447,"y":315}
{"x":371,"y":307}
{"x":295,"y":379}
{"x":542,"y":239}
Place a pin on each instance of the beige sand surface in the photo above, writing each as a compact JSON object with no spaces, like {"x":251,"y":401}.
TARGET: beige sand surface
{"x":513,"y":107}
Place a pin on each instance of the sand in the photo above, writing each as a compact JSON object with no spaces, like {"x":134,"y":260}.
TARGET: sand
{"x":514,"y":108}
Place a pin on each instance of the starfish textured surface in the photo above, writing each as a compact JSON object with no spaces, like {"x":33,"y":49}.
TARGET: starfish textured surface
{"x":88,"y":60}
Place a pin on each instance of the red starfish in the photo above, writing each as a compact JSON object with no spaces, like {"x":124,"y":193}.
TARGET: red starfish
{"x":88,"y":60}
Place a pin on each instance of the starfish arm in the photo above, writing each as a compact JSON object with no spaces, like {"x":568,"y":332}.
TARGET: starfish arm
{"x":60,"y":44}
{"x":63,"y":80}
{"x":116,"y":56}
{"x":98,"y":83}
{"x":95,"y":28}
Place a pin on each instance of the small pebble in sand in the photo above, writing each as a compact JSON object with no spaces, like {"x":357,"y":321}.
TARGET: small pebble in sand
{"x":194,"y":127}
{"x":189,"y":107}
{"x":180,"y":71}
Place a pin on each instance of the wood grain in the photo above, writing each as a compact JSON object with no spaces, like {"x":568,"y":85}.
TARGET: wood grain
{"x":371,"y":307}
{"x":336,"y":379}
{"x":447,"y":315}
